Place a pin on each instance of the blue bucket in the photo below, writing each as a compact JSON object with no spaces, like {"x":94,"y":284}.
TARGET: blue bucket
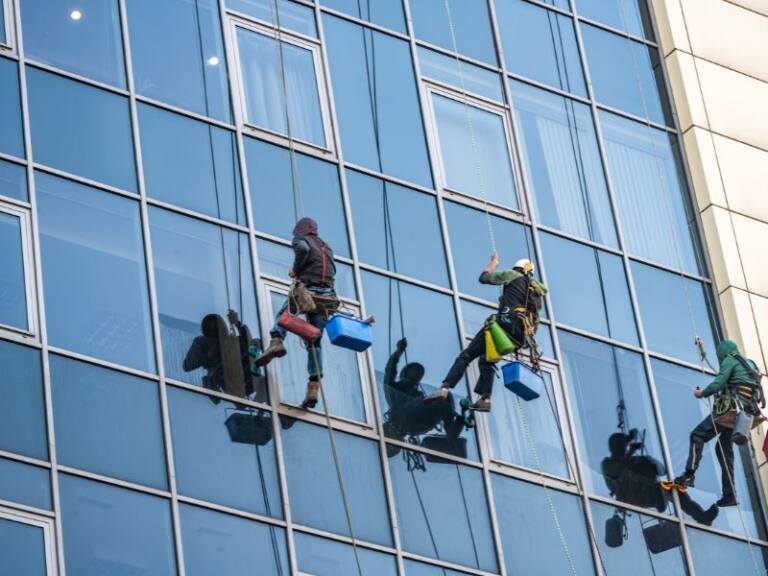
{"x":520,"y":379}
{"x":349,"y":332}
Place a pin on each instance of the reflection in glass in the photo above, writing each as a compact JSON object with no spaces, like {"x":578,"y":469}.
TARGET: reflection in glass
{"x":292,"y":15}
{"x":13,"y":291}
{"x":22,"y":546}
{"x":11,"y":140}
{"x":387,"y":13}
{"x":103,"y":309}
{"x":13,"y":178}
{"x":563,"y":163}
{"x":715,"y":555}
{"x":321,"y":557}
{"x":419,"y":569}
{"x":473,"y":79}
{"x":627,"y":15}
{"x":25,"y":484}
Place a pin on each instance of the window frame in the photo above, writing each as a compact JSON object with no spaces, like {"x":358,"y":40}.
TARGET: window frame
{"x":25,"y":220}
{"x":44,"y":523}
{"x":7,"y":8}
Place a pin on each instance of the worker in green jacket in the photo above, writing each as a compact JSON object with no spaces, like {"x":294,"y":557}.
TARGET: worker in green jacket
{"x":737,"y":381}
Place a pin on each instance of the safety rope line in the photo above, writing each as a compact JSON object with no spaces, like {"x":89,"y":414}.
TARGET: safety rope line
{"x":268,"y":507}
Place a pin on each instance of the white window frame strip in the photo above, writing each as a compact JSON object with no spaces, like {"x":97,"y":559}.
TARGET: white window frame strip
{"x":31,"y":332}
{"x":7,"y":8}
{"x":46,"y":524}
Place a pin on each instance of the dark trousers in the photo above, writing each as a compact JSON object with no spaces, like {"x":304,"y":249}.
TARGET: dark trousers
{"x":476,"y":349}
{"x":702,"y":434}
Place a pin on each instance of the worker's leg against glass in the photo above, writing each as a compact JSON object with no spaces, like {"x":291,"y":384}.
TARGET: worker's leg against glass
{"x":484,"y":385}
{"x":724,"y":451}
{"x":700,"y":435}
{"x":315,"y":361}
{"x":276,"y":348}
{"x":475,"y":349}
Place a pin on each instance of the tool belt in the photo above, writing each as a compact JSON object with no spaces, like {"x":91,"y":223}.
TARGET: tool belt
{"x":302,"y":300}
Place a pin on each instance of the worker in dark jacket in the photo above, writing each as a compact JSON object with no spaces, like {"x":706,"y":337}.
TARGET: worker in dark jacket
{"x":313,"y":265}
{"x":519,"y":305}
{"x":735,"y":382}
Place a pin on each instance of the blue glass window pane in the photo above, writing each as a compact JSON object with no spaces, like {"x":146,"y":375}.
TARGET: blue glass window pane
{"x":103,"y":309}
{"x":314,"y":489}
{"x":627,"y":15}
{"x":471,"y":24}
{"x":178,"y":54}
{"x":216,"y":543}
{"x":528,"y":529}
{"x":22,"y":548}
{"x":261,"y":66}
{"x":25,"y":484}
{"x":715,"y":555}
{"x":444,"y":69}
{"x":563,"y":162}
{"x":318,"y":193}
{"x":115,"y":531}
{"x":387,"y":13}
{"x":674,"y":310}
{"x":626,"y":74}
{"x":3,"y":36}
{"x":13,"y":294}
{"x":191,"y":164}
{"x":22,"y":411}
{"x":13,"y":180}
{"x":541,"y":44}
{"x":588,"y":289}
{"x":11,"y":139}
{"x":397,"y":229}
{"x":377,"y":101}
{"x":609,"y":393}
{"x":214,"y":465}
{"x":321,"y":557}
{"x":292,"y":16}
{"x":418,"y":569}
{"x":108,"y":422}
{"x":443,"y":511}
{"x":81,"y":129}
{"x":474,"y":151}
{"x":651,"y":194}
{"x":83,"y":38}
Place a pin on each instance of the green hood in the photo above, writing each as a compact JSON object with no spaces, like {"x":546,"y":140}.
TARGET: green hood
{"x":725,"y":349}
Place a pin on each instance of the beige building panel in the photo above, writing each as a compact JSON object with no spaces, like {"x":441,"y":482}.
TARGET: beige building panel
{"x":689,"y":104}
{"x":700,"y":152}
{"x":723,"y":251}
{"x":740,"y":325}
{"x":751,"y":238}
{"x":758,"y":6}
{"x":670,"y":25}
{"x":745,"y":173}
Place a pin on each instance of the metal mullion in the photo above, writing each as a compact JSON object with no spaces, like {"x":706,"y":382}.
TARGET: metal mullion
{"x":12,"y":202}
{"x":480,"y":99}
{"x":229,"y":225}
{"x":33,"y":510}
{"x":113,"y":481}
{"x":216,"y":394}
{"x":183,"y":112}
{"x":252,"y":21}
{"x":83,"y":180}
{"x":208,"y":505}
{"x":623,"y":33}
{"x":596,"y":498}
{"x":599,"y":338}
{"x":682,"y":363}
{"x":547,"y":87}
{"x":671,"y":270}
{"x":286,"y":243}
{"x":638,"y":119}
{"x":437,"y":563}
{"x":7,"y":7}
{"x":102,"y":363}
{"x":579,"y":239}
{"x":406,"y":279}
{"x":25,"y":459}
{"x":11,"y":158}
{"x":389,"y":178}
{"x":341,"y":538}
{"x":10,"y":334}
{"x":452,"y":55}
{"x":339,"y":424}
{"x":532,"y":476}
{"x":362,"y":22}
{"x":725,"y":533}
{"x":32,"y":63}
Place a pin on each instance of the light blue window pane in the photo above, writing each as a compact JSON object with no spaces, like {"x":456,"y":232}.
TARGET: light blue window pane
{"x":25,"y":484}
{"x":111,"y":530}
{"x":529,"y":531}
{"x":563,"y":162}
{"x":178,"y":54}
{"x":313,"y":485}
{"x":22,"y":411}
{"x":261,"y":65}
{"x":397,"y":229}
{"x":13,"y":181}
{"x":22,"y":548}
{"x":715,"y":555}
{"x":3,"y":36}
{"x":589,"y":289}
{"x":321,"y":557}
{"x":626,"y":74}
{"x":377,"y":101}
{"x":82,"y":37}
{"x":472,"y":78}
{"x":474,"y":151}
{"x":274,"y":198}
{"x":11,"y":139}
{"x":681,"y":413}
{"x":216,"y":543}
{"x":211,"y":464}
{"x":191,"y":164}
{"x":443,"y":511}
{"x":471,"y":26}
{"x":541,"y":44}
{"x":292,"y":16}
{"x":674,"y":310}
{"x":418,"y":569}
{"x":387,"y":13}
{"x":651,"y":194}
{"x":13,"y":294}
{"x":108,"y":422}
{"x":81,"y":129}
{"x":610,"y":396}
{"x":94,"y":273}
{"x":627,"y":15}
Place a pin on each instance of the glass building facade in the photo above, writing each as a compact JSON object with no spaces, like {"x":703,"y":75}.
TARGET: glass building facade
{"x":154,"y":156}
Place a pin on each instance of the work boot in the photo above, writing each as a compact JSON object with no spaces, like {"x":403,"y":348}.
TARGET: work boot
{"x":310,"y":400}
{"x":482,"y":404}
{"x":441,"y":395}
{"x":726,"y":501}
{"x":686,"y":479}
{"x":709,"y":515}
{"x":276,"y":349}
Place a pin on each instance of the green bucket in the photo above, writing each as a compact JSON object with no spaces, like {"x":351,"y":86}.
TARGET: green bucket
{"x":504,"y":344}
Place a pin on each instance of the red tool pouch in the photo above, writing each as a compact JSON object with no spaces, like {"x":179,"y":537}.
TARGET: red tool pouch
{"x":296,"y":325}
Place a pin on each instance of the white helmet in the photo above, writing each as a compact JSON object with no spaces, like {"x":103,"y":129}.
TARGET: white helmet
{"x":525,"y":265}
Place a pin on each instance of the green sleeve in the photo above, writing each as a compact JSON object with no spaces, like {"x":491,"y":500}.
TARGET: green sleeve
{"x":540,"y":288}
{"x":721,"y":380}
{"x":496,"y":278}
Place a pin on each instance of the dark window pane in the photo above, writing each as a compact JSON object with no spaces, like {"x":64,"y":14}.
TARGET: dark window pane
{"x":589,"y":289}
{"x":321,"y":557}
{"x":224,"y":545}
{"x":470,"y":21}
{"x":610,"y":396}
{"x":292,"y":16}
{"x":103,"y":309}
{"x":11,"y":139}
{"x":388,"y":13}
{"x":443,"y":511}
{"x":651,"y":195}
{"x":715,"y":555}
{"x":81,"y":129}
{"x":674,"y":310}
{"x":25,"y":484}
{"x":377,"y":101}
{"x":22,"y":547}
{"x":626,"y":74}
{"x":22,"y":411}
{"x":462,"y":76}
{"x":528,"y":527}
{"x":274,"y":198}
{"x":178,"y":54}
{"x":628,"y":15}
{"x":115,"y":531}
{"x":397,"y":229}
{"x":312,"y":479}
{"x":83,"y":38}
{"x":108,"y":422}
{"x":563,"y":162}
{"x":13,"y":179}
{"x":13,"y":291}
{"x":540,"y":44}
{"x":418,"y":569}
{"x":191,"y":164}
{"x":213,"y":464}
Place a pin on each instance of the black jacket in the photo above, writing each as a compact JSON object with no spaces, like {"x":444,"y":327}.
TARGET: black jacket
{"x":313,"y":261}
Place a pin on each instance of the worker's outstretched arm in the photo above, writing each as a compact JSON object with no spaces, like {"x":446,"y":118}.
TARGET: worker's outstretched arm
{"x":721,"y":380}
{"x":390,"y":370}
{"x":300,"y":255}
